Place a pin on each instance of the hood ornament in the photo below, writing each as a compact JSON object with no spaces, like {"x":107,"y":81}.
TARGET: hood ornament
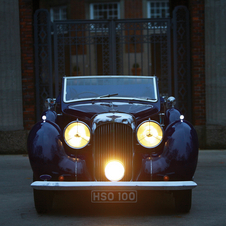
{"x":113,"y":117}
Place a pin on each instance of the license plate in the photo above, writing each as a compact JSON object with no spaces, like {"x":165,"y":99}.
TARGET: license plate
{"x":113,"y":196}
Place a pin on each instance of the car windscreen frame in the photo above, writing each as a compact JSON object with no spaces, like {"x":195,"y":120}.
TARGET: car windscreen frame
{"x":102,"y":96}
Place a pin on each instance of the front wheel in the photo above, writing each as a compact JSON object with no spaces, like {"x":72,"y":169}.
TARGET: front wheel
{"x":183,"y":200}
{"x":43,"y":200}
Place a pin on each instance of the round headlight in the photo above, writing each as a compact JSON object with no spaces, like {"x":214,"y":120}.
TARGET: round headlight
{"x":77,"y":135}
{"x":149,"y":134}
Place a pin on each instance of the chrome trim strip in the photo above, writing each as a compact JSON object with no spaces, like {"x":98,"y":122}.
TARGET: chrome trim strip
{"x":110,"y":98}
{"x":100,"y":185}
{"x":115,"y":117}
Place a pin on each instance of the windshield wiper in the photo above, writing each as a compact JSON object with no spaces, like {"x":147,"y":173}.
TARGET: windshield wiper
{"x":107,"y":95}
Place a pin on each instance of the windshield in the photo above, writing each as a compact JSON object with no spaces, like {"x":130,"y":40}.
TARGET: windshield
{"x":117,"y":87}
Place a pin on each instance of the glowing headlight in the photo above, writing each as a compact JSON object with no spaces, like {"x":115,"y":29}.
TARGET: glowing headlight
{"x":114,"y":171}
{"x":77,"y":135}
{"x":149,"y":134}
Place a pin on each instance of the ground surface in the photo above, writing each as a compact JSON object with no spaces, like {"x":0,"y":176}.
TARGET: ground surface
{"x":208,"y":208}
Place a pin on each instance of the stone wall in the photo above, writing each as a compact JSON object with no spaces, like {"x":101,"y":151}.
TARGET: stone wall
{"x":11,"y":111}
{"x":17,"y":90}
{"x":215,"y":57}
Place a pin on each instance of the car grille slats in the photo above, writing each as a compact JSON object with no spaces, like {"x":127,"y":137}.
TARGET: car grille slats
{"x":113,"y":141}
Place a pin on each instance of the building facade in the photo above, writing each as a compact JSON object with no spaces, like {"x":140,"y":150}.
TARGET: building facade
{"x":18,"y":84}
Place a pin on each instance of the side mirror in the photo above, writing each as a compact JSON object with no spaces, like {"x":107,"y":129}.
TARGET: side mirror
{"x":50,"y":103}
{"x":171,"y":102}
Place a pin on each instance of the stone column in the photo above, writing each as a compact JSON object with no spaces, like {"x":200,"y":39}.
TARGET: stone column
{"x":215,"y":45}
{"x":11,"y":112}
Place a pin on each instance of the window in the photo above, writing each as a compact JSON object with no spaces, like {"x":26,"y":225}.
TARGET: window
{"x":100,"y":11}
{"x":58,"y":13}
{"x":158,"y":9}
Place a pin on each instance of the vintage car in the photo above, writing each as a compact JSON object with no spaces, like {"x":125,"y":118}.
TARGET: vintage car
{"x":112,"y":136}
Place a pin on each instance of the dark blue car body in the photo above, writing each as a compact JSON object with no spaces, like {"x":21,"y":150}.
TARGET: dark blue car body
{"x":113,"y":121}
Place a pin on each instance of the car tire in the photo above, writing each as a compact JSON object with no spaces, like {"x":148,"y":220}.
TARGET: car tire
{"x":183,"y":200}
{"x":43,"y":200}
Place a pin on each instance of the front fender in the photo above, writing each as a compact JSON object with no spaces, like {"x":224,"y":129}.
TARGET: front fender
{"x":46,"y":151}
{"x":180,"y":154}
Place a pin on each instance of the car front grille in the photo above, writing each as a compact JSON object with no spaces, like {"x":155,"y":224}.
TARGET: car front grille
{"x":113,"y":141}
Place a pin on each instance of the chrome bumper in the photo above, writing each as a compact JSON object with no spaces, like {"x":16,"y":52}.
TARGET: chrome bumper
{"x":100,"y":185}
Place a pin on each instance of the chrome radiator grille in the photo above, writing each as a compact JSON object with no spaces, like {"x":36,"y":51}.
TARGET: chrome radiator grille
{"x":113,"y":141}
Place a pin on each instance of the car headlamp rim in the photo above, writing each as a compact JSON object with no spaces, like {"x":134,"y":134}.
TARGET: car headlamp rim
{"x":159,"y":126}
{"x":77,"y":121}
